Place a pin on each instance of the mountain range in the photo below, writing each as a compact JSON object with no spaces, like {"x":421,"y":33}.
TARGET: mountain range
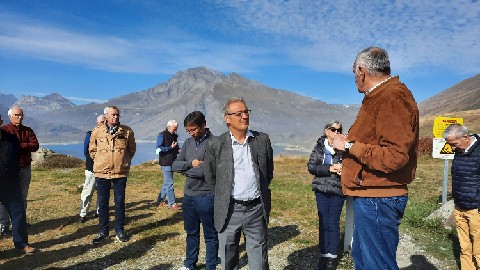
{"x":293,"y":121}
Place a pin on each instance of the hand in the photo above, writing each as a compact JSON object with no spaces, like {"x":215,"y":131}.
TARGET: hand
{"x":339,"y":142}
{"x":336,"y":168}
{"x":174,"y":144}
{"x":196,"y":163}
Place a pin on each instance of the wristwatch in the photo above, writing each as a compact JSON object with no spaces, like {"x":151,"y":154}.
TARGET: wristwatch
{"x":348,"y":145}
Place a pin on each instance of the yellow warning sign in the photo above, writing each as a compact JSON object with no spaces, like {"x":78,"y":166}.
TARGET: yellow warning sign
{"x":441,"y":149}
{"x":441,"y":123}
{"x":446,"y":149}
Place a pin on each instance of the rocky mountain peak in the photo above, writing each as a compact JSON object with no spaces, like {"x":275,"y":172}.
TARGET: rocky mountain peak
{"x":50,"y":102}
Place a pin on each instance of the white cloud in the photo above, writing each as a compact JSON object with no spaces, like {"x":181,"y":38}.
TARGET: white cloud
{"x":112,"y":53}
{"x":321,"y":35}
{"x":326,"y":35}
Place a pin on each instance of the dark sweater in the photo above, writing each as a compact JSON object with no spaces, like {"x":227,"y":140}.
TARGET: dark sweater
{"x":195,"y":184}
{"x":28,"y":142}
{"x":9,"y":164}
{"x":164,"y":142}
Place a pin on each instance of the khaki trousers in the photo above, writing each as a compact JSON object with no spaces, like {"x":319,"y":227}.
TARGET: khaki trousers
{"x":468,"y":230}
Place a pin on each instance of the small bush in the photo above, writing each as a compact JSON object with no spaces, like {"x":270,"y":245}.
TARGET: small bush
{"x":61,"y":161}
{"x":425,"y":146}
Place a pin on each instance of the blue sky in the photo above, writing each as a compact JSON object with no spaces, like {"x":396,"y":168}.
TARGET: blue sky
{"x":93,"y":50}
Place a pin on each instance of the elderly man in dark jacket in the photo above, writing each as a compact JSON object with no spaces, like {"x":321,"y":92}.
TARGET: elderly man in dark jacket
{"x":466,"y":192}
{"x":10,"y":193}
{"x":28,"y":144}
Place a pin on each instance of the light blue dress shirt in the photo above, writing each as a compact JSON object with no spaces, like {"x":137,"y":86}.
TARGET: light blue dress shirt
{"x":245,"y":186}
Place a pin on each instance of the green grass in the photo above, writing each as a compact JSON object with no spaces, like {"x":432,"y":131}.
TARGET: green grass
{"x":158,"y":239}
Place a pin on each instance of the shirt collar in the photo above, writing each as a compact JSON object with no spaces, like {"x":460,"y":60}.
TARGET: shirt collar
{"x":234,"y":141}
{"x":203,"y":137}
{"x":473,"y":142}
{"x":378,"y":84}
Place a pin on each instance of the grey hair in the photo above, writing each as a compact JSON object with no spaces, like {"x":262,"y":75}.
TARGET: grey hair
{"x":375,"y":60}
{"x":10,"y":111}
{"x":105,"y":111}
{"x":172,"y":123}
{"x":230,"y":101}
{"x":100,"y":118}
{"x":331,"y":123}
{"x":455,"y":129}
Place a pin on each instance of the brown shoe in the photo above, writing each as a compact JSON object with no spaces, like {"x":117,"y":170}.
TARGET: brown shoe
{"x":28,"y":250}
{"x":175,"y":207}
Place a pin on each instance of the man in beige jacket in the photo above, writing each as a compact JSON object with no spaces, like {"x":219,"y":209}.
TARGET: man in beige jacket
{"x":111,"y":147}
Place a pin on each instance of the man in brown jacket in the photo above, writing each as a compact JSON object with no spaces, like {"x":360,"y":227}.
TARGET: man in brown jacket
{"x":379,"y":160}
{"x":111,"y":147}
{"x":28,"y":144}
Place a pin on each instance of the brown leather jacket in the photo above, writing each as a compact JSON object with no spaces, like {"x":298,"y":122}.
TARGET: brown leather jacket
{"x":28,"y":142}
{"x":383,"y":159}
{"x":112,"y":153}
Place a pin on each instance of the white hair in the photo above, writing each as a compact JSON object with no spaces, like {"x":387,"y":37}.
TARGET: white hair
{"x":100,"y":118}
{"x":172,"y":123}
{"x":10,"y":111}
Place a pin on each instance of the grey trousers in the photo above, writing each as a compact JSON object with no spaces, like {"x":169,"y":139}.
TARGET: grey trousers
{"x":25,"y":178}
{"x":87,"y":193}
{"x":248,"y":219}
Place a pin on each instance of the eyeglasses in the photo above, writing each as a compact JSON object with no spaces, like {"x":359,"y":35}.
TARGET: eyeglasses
{"x":332,"y":129}
{"x":239,"y":113}
{"x":191,"y":130}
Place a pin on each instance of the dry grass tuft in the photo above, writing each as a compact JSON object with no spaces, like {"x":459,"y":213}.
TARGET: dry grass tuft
{"x":56,"y":161}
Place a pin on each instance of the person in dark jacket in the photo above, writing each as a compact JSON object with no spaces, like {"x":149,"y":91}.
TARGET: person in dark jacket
{"x":89,"y":184}
{"x":28,"y":144}
{"x":10,"y":192}
{"x":167,"y":149}
{"x":325,"y":165}
{"x":466,"y":192}
{"x":197,"y":204}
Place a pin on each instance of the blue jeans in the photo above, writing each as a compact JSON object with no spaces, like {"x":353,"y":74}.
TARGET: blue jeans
{"x":375,"y":233}
{"x":25,"y":177}
{"x":103,"y":192}
{"x":329,"y":208}
{"x":196,"y":210}
{"x":167,"y":187}
{"x":11,"y":199}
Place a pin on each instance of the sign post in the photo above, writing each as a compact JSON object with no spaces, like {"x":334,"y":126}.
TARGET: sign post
{"x":441,"y":149}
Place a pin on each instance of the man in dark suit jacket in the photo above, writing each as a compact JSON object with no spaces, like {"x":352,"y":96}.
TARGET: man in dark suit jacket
{"x":239,"y":163}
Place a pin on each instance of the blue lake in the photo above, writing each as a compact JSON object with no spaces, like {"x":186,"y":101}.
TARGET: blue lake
{"x":145,"y":151}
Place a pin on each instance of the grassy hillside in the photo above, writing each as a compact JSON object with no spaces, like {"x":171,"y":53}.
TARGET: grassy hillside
{"x":157,"y":240}
{"x":470,"y":119}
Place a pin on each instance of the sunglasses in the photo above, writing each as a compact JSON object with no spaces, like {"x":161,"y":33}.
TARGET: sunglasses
{"x":332,"y":129}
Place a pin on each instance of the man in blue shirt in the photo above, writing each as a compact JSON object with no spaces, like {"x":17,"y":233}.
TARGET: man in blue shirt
{"x":89,"y":184}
